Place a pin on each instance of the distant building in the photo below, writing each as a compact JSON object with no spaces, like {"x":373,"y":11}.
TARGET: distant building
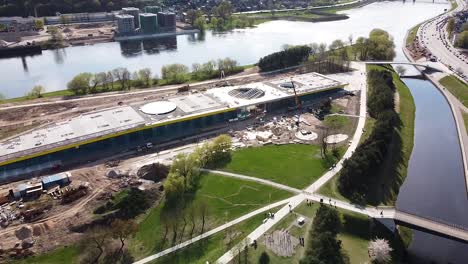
{"x":125,"y":24}
{"x":148,"y":23}
{"x":17,"y":24}
{"x":135,"y":12}
{"x":167,"y":21}
{"x":79,"y":18}
{"x":152,"y":9}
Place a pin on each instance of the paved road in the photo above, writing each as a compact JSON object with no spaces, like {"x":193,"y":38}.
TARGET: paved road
{"x":434,"y":37}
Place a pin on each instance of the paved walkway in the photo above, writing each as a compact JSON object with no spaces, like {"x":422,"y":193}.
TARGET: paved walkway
{"x":255,"y":179}
{"x":213,"y":231}
{"x":296,"y":200}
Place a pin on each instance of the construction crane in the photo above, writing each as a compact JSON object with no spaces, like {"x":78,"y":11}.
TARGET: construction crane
{"x":296,"y":98}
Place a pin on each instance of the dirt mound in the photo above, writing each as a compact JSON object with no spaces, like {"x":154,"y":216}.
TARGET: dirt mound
{"x":153,"y":172}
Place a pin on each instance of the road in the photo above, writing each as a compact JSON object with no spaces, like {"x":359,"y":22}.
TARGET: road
{"x":433,"y":36}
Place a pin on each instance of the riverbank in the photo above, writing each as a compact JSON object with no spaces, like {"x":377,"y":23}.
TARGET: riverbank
{"x":312,"y":14}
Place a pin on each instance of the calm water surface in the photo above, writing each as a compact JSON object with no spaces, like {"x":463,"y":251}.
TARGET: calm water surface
{"x":435,"y":184}
{"x":53,"y":69}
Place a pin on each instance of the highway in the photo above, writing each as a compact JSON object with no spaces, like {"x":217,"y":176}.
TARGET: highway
{"x":434,"y":37}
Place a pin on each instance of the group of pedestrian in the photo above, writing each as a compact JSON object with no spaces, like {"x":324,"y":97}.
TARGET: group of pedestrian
{"x":308,"y":203}
{"x":301,"y":241}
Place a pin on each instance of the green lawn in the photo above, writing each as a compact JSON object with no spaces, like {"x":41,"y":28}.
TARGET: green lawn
{"x":294,"y":165}
{"x":465,"y":120}
{"x":457,"y":87}
{"x":226,"y":199}
{"x":211,"y":248}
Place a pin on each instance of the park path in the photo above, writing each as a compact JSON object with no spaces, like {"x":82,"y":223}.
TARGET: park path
{"x":359,"y":81}
{"x":254,"y":179}
{"x":361,"y":77}
{"x":213,"y":231}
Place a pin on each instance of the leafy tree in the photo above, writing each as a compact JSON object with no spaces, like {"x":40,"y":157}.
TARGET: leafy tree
{"x":285,"y":58}
{"x":462,"y":40}
{"x":400,"y":70}
{"x":264,"y":258}
{"x":451,"y":26}
{"x":186,"y":166}
{"x":145,"y":76}
{"x":224,"y":10}
{"x":200,"y":23}
{"x":80,"y":84}
{"x":175,"y":73}
{"x":39,"y":24}
{"x":174,"y":188}
{"x":36,"y":91}
{"x":193,"y":15}
{"x":381,"y":45}
{"x":327,"y":220}
{"x":135,"y":203}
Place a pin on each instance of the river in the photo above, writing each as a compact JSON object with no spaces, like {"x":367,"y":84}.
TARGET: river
{"x":435,"y":184}
{"x":54,"y":68}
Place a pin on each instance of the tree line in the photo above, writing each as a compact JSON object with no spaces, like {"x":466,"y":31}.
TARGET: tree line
{"x":288,"y":57}
{"x":49,"y":8}
{"x":122,"y":79}
{"x":360,"y":169}
{"x":336,"y":57}
{"x":324,"y":247}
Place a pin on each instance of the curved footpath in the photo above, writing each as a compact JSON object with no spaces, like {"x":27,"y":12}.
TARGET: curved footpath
{"x":359,"y":83}
{"x":455,"y":105}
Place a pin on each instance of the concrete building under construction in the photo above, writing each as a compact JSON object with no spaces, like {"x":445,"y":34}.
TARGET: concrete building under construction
{"x":116,"y":130}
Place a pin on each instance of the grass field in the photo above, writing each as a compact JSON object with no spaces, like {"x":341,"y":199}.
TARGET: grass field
{"x":457,"y":87}
{"x":226,"y":199}
{"x":293,"y":165}
{"x":465,"y":120}
{"x":211,"y":248}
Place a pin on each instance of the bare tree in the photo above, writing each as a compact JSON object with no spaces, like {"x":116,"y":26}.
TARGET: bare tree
{"x":192,"y":218}
{"x":122,"y":230}
{"x":99,"y":237}
{"x":324,"y":144}
{"x":203,"y":212}
{"x":110,"y":79}
{"x":165,"y":222}
{"x":183,"y":228}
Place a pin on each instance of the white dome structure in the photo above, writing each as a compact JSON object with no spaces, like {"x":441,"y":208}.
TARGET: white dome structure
{"x":158,"y":108}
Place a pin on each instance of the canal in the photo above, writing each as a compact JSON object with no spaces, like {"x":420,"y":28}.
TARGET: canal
{"x":435,"y":184}
{"x":54,"y":68}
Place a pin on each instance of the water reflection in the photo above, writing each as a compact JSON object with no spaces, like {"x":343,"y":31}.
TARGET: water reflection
{"x":133,"y":48}
{"x":53,"y":69}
